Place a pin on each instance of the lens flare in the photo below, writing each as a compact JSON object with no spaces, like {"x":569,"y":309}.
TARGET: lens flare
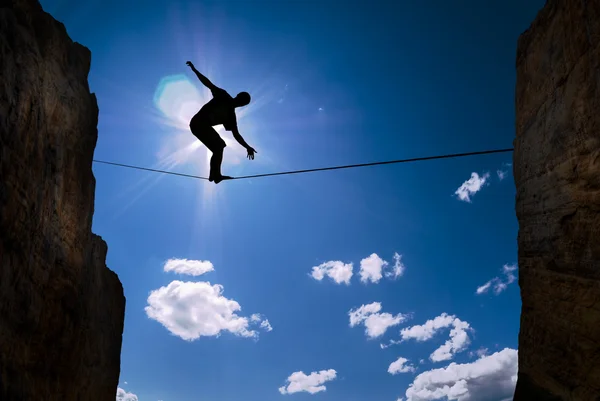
{"x":178,"y":99}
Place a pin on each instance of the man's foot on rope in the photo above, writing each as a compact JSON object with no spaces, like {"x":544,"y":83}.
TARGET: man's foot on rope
{"x":220,"y":178}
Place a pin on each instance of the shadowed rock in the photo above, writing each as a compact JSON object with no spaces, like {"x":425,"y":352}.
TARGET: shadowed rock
{"x":557,"y":175}
{"x":61,"y":308}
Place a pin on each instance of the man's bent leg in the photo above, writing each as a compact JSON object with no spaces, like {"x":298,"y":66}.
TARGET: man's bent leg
{"x":215,"y":167}
{"x":213,"y":141}
{"x":215,"y":164}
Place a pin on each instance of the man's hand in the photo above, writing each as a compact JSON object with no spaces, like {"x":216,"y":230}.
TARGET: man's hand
{"x":251,"y":152}
{"x":190,"y":64}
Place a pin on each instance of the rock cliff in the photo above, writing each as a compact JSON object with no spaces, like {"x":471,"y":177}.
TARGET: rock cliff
{"x":557,"y":175}
{"x":61,"y":308}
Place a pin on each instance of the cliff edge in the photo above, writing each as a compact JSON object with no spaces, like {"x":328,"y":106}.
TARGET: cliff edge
{"x":557,"y":175}
{"x":61,"y":308}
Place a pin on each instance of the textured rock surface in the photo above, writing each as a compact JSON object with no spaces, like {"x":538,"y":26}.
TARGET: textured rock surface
{"x":557,"y":174}
{"x":61,"y":308}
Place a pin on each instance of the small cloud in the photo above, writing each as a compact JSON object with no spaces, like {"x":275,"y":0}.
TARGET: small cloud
{"x":400,"y":365}
{"x":312,"y":383}
{"x":471,"y":186}
{"x":123,"y":395}
{"x":189,"y":267}
{"x":508,"y":272}
{"x":392,"y":342}
{"x":376,"y":323}
{"x":371,"y":268}
{"x":459,"y":339}
{"x":125,"y":383}
{"x":484,"y":288}
{"x":266,"y":325}
{"x":398,"y":268}
{"x":336,"y":270}
{"x":257,"y":318}
{"x":501,"y":174}
{"x":191,"y":310}
{"x":480,"y":353}
{"x":497,"y":283}
{"x":321,"y":109}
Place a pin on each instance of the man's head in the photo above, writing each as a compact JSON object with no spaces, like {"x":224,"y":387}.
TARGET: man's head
{"x":242,"y":99}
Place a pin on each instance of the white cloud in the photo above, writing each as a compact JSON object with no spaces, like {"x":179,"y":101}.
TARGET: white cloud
{"x":193,"y":309}
{"x":392,"y":342}
{"x":339,"y":272}
{"x":189,"y":267}
{"x":397,"y":269}
{"x":123,"y":395}
{"x":458,"y":341}
{"x":502,"y":174}
{"x":481,"y":352}
{"x":483,"y":289}
{"x":264,"y":323}
{"x":497,"y":283}
{"x":426,"y":331}
{"x":471,"y":186}
{"x":489,"y":378}
{"x":312,"y":383}
{"x":400,"y":365}
{"x":371,"y":268}
{"x":508,"y":272}
{"x":376,"y":323}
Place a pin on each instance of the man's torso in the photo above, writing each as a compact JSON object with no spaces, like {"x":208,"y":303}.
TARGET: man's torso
{"x":219,"y":110}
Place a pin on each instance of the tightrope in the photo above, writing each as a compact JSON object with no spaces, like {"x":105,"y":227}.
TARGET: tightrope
{"x":311,"y":170}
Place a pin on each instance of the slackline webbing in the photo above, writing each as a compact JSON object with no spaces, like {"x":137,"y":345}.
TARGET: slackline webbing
{"x":411,"y":160}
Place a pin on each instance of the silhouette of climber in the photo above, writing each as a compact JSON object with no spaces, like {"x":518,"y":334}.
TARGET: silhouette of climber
{"x":219,"y":110}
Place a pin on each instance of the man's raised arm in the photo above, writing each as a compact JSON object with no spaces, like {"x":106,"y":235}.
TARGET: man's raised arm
{"x":205,"y":81}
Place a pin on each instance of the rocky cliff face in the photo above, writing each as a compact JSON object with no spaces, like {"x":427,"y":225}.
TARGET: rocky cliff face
{"x":61,"y":308}
{"x":557,"y":174}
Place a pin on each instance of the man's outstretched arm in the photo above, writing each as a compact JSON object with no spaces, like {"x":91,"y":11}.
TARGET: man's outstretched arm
{"x":241,"y":141}
{"x":205,"y":81}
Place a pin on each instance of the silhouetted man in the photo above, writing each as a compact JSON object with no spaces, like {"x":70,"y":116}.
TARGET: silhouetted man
{"x":219,"y":110}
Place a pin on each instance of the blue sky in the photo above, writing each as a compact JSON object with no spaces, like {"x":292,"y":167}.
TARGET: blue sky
{"x":332,"y":83}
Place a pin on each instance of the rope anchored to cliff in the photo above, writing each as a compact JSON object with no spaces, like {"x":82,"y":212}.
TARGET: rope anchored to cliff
{"x":411,"y":160}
